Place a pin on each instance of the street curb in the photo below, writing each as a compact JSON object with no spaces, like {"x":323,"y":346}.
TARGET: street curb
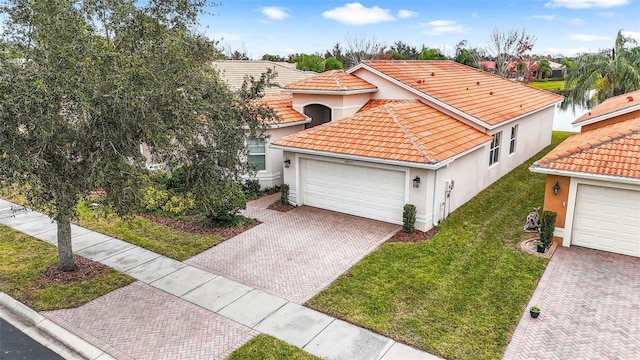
{"x":48,"y":333}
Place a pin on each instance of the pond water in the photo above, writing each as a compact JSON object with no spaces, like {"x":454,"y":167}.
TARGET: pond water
{"x":564,"y":117}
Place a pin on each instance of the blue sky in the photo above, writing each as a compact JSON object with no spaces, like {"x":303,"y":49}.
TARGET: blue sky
{"x":283,"y":27}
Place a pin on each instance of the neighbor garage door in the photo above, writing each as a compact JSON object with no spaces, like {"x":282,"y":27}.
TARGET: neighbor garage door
{"x":607,"y":219}
{"x":357,"y":190}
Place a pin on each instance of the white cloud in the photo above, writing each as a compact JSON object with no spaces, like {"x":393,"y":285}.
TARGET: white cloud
{"x":585,"y":4}
{"x":566,"y":51}
{"x":587,"y":37}
{"x":404,"y":14}
{"x":607,"y":15}
{"x":441,"y":27}
{"x":576,"y":21}
{"x":275,"y":13}
{"x":356,"y":14}
{"x":475,"y":15}
{"x":633,"y":34}
{"x":545,"y":17}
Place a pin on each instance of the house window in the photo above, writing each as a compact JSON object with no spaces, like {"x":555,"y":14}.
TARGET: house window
{"x":256,"y":153}
{"x":512,"y":143}
{"x":494,"y":153}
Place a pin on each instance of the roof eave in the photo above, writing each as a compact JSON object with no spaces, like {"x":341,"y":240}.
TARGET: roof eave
{"x":434,"y":166}
{"x":583,"y":175}
{"x":331,"y":92}
{"x":278,"y":125}
{"x":606,"y":116}
{"x":502,"y":123}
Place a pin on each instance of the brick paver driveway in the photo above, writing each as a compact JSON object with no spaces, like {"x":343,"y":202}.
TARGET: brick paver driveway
{"x":590,"y":309}
{"x":295,"y":254}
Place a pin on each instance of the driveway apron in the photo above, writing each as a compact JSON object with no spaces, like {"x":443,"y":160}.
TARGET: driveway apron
{"x":590,"y":309}
{"x":296,"y":254}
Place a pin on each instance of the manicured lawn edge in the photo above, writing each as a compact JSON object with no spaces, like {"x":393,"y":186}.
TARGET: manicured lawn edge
{"x":265,"y":347}
{"x":23,"y":259}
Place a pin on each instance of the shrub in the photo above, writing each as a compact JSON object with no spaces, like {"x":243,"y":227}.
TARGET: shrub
{"x":177,"y":180}
{"x":154,"y":199}
{"x":547,"y":225}
{"x":284,"y":194}
{"x":409,"y":218}
{"x":223,"y":209}
{"x":178,"y":205}
{"x":251,"y":188}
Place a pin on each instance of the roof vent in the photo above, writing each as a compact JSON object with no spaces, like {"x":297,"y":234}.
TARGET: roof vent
{"x":467,"y":88}
{"x":477,"y":82}
{"x":630,"y":98}
{"x":490,"y":92}
{"x":433,"y":74}
{"x":589,"y":113}
{"x":419,"y":81}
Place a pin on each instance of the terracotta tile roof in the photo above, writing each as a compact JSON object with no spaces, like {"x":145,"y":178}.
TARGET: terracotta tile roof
{"x":374,"y":103}
{"x":333,"y":80}
{"x":282,"y":103}
{"x":610,"y":150}
{"x":233,"y":72}
{"x":406,"y":131}
{"x":489,"y":98}
{"x":612,"y":105}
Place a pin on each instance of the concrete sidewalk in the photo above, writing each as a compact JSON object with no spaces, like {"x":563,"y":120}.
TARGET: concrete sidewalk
{"x":186,"y":288}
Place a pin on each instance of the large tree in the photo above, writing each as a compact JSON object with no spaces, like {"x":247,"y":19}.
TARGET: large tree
{"x":95,"y":79}
{"x":609,"y":72}
{"x":509,"y":47}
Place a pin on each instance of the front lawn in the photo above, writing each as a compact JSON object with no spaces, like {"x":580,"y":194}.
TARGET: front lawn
{"x":556,"y":85}
{"x":24,"y":259}
{"x":460,"y":294}
{"x":159,"y":238}
{"x":265,"y":347}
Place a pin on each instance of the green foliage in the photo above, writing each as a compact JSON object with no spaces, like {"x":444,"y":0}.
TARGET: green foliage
{"x":547,"y":226}
{"x":332,"y":63}
{"x":93,"y":87}
{"x":179,"y":205}
{"x":154,"y":199}
{"x":544,"y":68}
{"x":222,"y":209}
{"x":409,"y":218}
{"x":431,"y":54}
{"x":251,"y":188}
{"x":284,"y":194}
{"x":265,"y":347}
{"x":460,"y":294}
{"x":310,"y":63}
{"x":609,"y":72}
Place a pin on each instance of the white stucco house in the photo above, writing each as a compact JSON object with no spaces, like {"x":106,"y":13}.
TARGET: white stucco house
{"x":387,"y":133}
{"x":593,"y":179}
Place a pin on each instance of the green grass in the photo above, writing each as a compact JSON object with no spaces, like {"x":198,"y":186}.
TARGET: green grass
{"x":265,"y":347}
{"x":460,"y":294}
{"x":548,"y":85}
{"x":150,"y":235}
{"x":22,"y":261}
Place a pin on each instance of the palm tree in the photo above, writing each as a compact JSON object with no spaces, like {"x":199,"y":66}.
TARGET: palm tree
{"x":609,"y":72}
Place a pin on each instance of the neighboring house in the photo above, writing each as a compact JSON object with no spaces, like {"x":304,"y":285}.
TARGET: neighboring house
{"x":593,"y":179}
{"x":233,"y":73}
{"x":429,"y":133}
{"x":557,"y":70}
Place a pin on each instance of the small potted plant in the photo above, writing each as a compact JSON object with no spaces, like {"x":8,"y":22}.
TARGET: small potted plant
{"x":540,"y":246}
{"x":534,"y":311}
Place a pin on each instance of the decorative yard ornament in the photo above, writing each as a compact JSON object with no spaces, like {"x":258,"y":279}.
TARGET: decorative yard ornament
{"x":533,"y":221}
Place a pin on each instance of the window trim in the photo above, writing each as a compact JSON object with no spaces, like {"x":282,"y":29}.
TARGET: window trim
{"x":494,"y":148}
{"x":254,"y":142}
{"x":513,"y":142}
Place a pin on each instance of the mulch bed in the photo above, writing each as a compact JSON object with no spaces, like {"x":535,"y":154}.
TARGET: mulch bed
{"x":86,"y":270}
{"x":193,"y":228}
{"x":280,"y":207}
{"x":416,"y":236}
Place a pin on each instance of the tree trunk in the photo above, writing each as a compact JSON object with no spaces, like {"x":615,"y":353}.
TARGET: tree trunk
{"x":611,"y":89}
{"x":65,"y":253}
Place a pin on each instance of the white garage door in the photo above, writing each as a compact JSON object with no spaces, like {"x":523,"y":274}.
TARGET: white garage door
{"x":607,"y":219}
{"x":357,"y":190}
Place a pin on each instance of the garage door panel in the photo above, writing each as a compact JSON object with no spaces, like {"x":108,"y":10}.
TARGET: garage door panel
{"x":363,"y":191}
{"x":607,"y":219}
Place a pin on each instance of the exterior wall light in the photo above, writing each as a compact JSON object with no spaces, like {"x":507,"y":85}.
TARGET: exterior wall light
{"x":556,"y":188}
{"x":416,"y":182}
{"x":287,"y":162}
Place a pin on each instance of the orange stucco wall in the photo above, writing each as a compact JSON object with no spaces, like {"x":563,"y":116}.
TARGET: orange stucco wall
{"x":557,"y":203}
{"x":617,"y":119}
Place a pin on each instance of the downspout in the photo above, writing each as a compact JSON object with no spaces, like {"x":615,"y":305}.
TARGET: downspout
{"x":435,"y":212}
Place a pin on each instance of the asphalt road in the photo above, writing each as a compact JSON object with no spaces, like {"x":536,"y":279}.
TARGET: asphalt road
{"x":15,"y":345}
